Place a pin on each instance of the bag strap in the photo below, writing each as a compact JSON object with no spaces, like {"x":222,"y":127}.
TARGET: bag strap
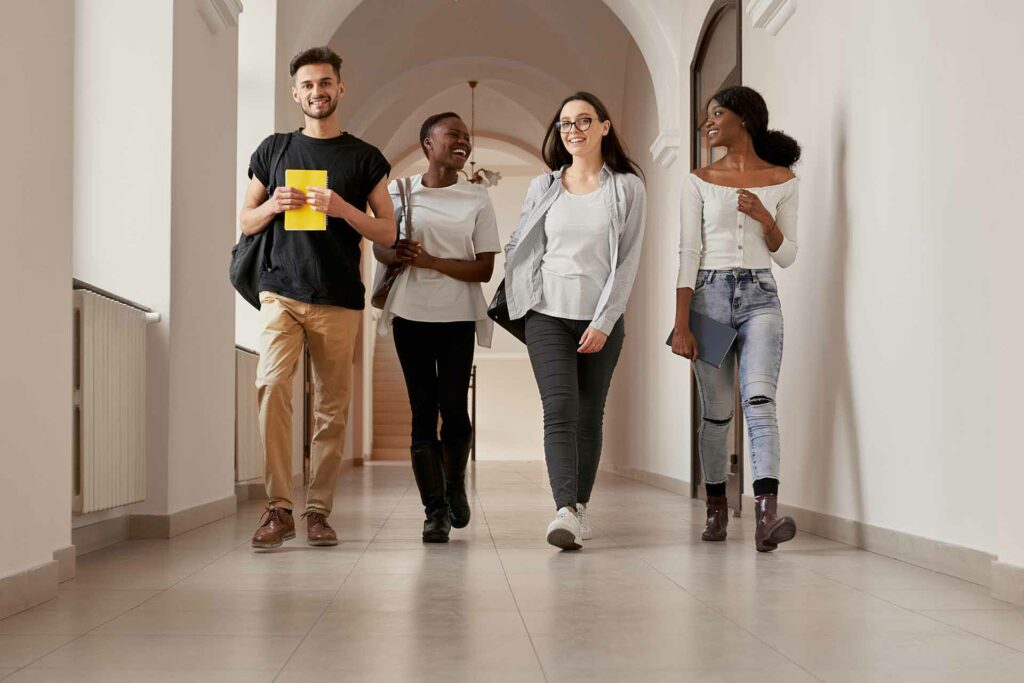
{"x":407,"y":207}
{"x":405,"y":194}
{"x":398,"y":223}
{"x":275,"y":162}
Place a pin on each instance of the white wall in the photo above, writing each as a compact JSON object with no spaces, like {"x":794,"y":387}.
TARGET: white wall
{"x":122,"y":149}
{"x":154,"y":221}
{"x":897,"y":396}
{"x":510,"y":418}
{"x":888,"y":394}
{"x":257,"y":65}
{"x":203,"y":220}
{"x":647,"y":419}
{"x":35,"y":271}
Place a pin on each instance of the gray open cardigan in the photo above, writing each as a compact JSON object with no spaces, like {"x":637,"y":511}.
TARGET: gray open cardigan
{"x":627,"y":206}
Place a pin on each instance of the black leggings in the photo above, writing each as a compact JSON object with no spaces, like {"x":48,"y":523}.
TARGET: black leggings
{"x":437,"y":360}
{"x":573,"y":387}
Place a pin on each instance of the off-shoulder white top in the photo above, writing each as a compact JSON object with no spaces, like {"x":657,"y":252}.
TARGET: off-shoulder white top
{"x":715,"y":235}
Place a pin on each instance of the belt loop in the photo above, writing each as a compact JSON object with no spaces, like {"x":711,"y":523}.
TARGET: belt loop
{"x":710,"y":278}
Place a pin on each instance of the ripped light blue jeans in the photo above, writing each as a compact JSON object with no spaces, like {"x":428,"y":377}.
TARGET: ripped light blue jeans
{"x":748,"y":301}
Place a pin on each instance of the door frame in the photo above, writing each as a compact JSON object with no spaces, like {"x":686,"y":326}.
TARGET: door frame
{"x":735,"y":77}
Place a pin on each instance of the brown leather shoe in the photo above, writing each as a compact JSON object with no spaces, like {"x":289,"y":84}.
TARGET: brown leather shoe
{"x":771,"y":529}
{"x":718,"y":519}
{"x":276,"y":526}
{"x":318,"y":531}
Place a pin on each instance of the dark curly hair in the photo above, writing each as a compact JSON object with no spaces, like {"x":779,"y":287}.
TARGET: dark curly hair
{"x":773,"y":146}
{"x":428,"y":126}
{"x":315,"y":55}
{"x":612,"y":151}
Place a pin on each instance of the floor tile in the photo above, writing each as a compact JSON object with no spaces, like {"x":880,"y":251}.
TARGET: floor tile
{"x":172,"y":653}
{"x":1003,"y":626}
{"x":20,"y":650}
{"x":139,"y":676}
{"x":646,"y":601}
{"x":974,"y":598}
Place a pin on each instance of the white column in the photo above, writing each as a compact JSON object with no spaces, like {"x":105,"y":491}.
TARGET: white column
{"x":35,"y":276}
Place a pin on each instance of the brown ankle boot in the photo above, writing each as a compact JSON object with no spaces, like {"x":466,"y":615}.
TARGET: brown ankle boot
{"x":718,"y":519}
{"x":276,"y":527}
{"x":771,"y":529}
{"x":318,"y":531}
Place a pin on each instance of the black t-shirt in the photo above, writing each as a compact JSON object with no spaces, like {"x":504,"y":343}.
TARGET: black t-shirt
{"x":319,"y":267}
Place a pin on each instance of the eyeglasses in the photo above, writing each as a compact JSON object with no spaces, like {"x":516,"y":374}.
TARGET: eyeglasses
{"x":582,"y":124}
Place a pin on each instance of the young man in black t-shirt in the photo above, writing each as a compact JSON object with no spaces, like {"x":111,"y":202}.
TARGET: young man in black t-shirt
{"x":310,"y":288}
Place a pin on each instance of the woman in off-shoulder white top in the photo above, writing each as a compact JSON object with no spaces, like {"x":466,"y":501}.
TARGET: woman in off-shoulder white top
{"x":738,"y":217}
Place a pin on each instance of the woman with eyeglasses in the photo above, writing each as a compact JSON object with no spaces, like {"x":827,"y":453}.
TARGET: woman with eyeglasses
{"x":569,"y":270}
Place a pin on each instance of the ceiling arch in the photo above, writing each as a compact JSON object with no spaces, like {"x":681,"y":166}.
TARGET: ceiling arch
{"x":501,"y":80}
{"x":572,"y":28}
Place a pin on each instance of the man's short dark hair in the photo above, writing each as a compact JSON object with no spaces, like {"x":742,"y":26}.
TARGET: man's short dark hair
{"x":428,"y":126}
{"x":316,"y":55}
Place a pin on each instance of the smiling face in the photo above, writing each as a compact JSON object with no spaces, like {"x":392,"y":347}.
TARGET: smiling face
{"x":583,"y":137}
{"x":723,"y":127}
{"x":449,"y":144}
{"x":317,"y":89}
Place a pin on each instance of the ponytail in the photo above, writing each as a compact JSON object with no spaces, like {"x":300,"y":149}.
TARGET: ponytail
{"x":776,"y":148}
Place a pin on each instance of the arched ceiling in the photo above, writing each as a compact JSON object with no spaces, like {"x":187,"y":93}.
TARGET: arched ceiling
{"x":404,"y":60}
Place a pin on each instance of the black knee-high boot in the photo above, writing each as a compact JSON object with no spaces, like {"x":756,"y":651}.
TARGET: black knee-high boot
{"x":456,"y":455}
{"x":428,"y":468}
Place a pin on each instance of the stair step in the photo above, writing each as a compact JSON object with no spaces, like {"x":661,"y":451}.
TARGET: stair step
{"x":392,"y":441}
{"x":392,"y":427}
{"x":390,"y":454}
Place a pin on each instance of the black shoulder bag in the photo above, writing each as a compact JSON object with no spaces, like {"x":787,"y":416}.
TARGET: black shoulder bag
{"x":498,"y":310}
{"x":250,"y":255}
{"x":385,"y":278}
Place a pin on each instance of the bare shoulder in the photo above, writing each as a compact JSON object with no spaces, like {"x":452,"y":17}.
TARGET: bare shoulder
{"x":709,"y":173}
{"x":781,"y":174}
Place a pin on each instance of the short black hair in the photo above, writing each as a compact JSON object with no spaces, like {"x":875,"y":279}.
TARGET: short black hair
{"x":429,"y":124}
{"x":316,"y":55}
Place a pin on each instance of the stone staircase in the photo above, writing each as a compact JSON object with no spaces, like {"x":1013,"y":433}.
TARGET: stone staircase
{"x":392,"y":418}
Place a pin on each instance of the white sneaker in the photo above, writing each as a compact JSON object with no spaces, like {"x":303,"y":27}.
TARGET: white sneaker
{"x":564,"y":531}
{"x":586,"y":531}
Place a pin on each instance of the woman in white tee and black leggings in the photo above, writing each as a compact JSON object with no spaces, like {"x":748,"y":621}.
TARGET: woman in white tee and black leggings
{"x":436,"y":308}
{"x":569,"y":270}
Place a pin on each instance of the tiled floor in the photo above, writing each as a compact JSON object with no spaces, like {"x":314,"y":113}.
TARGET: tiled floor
{"x":644,"y":601}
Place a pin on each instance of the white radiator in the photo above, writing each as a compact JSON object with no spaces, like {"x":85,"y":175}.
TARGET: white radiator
{"x":248,"y":444}
{"x":109,"y":402}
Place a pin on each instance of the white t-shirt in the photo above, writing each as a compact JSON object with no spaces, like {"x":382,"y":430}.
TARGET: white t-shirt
{"x":455,"y":222}
{"x":578,"y":259}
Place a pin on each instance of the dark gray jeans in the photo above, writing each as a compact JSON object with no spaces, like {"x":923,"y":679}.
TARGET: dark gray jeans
{"x":573,"y":387}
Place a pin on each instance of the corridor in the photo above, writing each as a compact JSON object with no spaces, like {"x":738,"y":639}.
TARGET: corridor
{"x":644,"y":601}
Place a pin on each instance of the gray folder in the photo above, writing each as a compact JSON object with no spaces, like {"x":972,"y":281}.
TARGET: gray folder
{"x":714,"y":339}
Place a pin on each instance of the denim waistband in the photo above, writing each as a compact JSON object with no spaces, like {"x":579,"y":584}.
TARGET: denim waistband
{"x":737,"y":273}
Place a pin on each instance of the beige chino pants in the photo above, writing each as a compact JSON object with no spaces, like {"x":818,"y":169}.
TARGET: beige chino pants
{"x":330,"y":333}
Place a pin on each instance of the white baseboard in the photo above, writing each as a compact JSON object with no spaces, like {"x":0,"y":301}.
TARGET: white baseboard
{"x":176,"y":523}
{"x":67,"y":562}
{"x":656,"y":480}
{"x":93,"y":537}
{"x":1008,"y":582}
{"x":19,"y":592}
{"x":955,"y":560}
{"x":963,"y":563}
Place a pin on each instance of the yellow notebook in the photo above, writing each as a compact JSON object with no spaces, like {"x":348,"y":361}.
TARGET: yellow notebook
{"x":306,"y":218}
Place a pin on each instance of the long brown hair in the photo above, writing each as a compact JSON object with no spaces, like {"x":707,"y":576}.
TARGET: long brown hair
{"x":612,"y":152}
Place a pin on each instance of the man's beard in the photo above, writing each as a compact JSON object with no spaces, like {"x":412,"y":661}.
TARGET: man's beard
{"x":324,"y":113}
